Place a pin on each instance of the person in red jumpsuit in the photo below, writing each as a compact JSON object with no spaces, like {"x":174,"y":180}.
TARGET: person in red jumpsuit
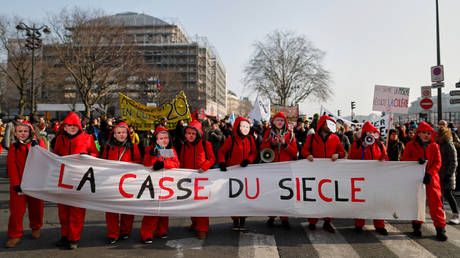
{"x":197,"y":153}
{"x":323,"y":144}
{"x":161,"y":155}
{"x":421,"y":149}
{"x":282,"y":141}
{"x":368,"y":147}
{"x":239,"y":149}
{"x":120,"y":147}
{"x":72,"y":140}
{"x":16,"y":161}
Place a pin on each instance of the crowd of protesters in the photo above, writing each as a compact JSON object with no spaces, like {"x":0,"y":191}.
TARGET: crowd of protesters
{"x":209,"y":143}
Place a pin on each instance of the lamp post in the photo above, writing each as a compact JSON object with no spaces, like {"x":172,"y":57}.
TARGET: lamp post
{"x":438,"y":51}
{"x":33,"y":42}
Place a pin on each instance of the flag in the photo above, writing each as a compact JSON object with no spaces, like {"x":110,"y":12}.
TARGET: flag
{"x":158,"y":84}
{"x":232,"y":118}
{"x":261,"y":110}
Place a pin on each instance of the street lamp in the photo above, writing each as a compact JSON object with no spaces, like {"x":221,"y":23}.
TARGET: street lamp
{"x":33,"y":42}
{"x":438,"y":54}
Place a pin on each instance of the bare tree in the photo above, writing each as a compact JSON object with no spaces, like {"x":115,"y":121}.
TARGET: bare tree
{"x":287,"y":69}
{"x":95,"y":50}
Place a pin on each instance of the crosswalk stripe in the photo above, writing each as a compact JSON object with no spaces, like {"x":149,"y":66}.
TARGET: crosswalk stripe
{"x":186,"y":243}
{"x":452,"y":232}
{"x":400,"y":244}
{"x":329,"y":245}
{"x":257,"y":246}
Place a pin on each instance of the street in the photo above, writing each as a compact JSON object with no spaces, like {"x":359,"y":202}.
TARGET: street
{"x":258,"y":241}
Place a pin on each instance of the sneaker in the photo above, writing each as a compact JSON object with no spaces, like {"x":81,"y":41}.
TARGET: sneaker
{"x":242,"y":223}
{"x":455,"y":219}
{"x":112,"y":241}
{"x":35,"y":234}
{"x":62,"y":242}
{"x":72,"y":245}
{"x":124,"y":236}
{"x":382,"y":231}
{"x":12,"y":242}
{"x":285,"y":224}
{"x":358,"y":230}
{"x":328,"y":227}
{"x":417,"y":232}
{"x":441,"y":234}
{"x":164,"y":236}
{"x":312,"y":226}
{"x":201,"y":235}
{"x":270,"y":222}
{"x":147,"y":241}
{"x":236,"y":225}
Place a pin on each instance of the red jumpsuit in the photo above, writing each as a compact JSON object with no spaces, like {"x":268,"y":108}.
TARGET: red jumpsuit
{"x":16,"y":161}
{"x":282,"y":153}
{"x":412,"y":152}
{"x":322,"y":148}
{"x":157,"y":224}
{"x":236,"y":149}
{"x":193,"y":156}
{"x":73,"y":218}
{"x":376,"y":151}
{"x":120,"y":223}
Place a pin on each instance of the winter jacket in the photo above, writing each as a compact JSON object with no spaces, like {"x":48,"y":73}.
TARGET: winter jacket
{"x":196,"y":155}
{"x":321,"y":147}
{"x":150,"y":158}
{"x":282,"y":153}
{"x":395,"y":150}
{"x":114,"y":150}
{"x":448,"y":158}
{"x":413,"y":151}
{"x":74,"y":144}
{"x":237,"y":147}
{"x":216,"y":138}
{"x":376,"y":151}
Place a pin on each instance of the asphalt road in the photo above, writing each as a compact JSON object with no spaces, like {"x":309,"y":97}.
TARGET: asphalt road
{"x":258,"y":241}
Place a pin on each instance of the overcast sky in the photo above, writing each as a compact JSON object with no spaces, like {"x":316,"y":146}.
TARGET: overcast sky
{"x":367,"y":42}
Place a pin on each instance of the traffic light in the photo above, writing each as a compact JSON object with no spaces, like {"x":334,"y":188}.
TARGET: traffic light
{"x":353,"y":105}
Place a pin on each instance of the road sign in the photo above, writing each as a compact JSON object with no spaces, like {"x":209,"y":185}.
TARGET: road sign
{"x":454,"y":93}
{"x":457,"y":85}
{"x":437,"y":73}
{"x":437,"y":85}
{"x":426,"y":92}
{"x":454,"y":101}
{"x":426,"y":103}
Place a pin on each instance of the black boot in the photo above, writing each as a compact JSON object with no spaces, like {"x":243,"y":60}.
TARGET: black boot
{"x":358,"y":229}
{"x":328,"y":227}
{"x":236,"y":225}
{"x":441,"y":234}
{"x":270,"y":222}
{"x":285,"y":224}
{"x":242,"y":224}
{"x":312,"y":226}
{"x":381,"y":231}
{"x":64,"y":241}
{"x":417,"y":226}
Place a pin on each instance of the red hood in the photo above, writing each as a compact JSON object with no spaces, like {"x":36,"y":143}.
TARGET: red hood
{"x":236,"y":125}
{"x":322,"y":120}
{"x":195,"y":124}
{"x":280,"y":114}
{"x":32,"y":131}
{"x":159,"y":129}
{"x":73,"y":119}
{"x":123,"y":125}
{"x":368,"y":127}
{"x":424,"y":126}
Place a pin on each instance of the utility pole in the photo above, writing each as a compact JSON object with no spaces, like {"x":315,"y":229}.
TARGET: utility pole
{"x":439,"y":62}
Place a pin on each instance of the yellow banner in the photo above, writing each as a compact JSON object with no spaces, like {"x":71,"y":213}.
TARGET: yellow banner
{"x":142,"y":118}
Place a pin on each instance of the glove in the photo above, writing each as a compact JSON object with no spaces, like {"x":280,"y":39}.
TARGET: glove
{"x":427,"y":179}
{"x":17,"y":188}
{"x":222,"y":166}
{"x":245,"y":163}
{"x":285,"y":145}
{"x":34,"y":142}
{"x":421,"y":161}
{"x":158,"y":165}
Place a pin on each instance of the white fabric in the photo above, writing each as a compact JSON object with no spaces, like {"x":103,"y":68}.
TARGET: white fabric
{"x":261,"y":110}
{"x":390,"y":190}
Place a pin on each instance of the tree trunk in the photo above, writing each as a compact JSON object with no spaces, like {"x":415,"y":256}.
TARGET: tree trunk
{"x":87,"y":109}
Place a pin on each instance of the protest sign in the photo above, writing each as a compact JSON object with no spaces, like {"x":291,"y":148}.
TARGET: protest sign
{"x":391,"y":99}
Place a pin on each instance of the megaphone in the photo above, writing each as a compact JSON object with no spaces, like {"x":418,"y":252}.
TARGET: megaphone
{"x":267,"y":155}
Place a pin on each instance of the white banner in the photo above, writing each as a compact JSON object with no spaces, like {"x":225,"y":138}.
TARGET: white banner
{"x":391,"y":99}
{"x":341,"y":189}
{"x":261,"y":110}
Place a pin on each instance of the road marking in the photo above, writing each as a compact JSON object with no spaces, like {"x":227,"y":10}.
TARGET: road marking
{"x":399,"y":243}
{"x":257,"y":246}
{"x":185,"y":243}
{"x":452,"y":232}
{"x":329,"y":245}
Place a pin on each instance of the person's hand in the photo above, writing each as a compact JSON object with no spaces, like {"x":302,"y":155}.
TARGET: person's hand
{"x":282,"y":140}
{"x":427,"y":179}
{"x":201,"y":170}
{"x":34,"y":142}
{"x":421,"y":161}
{"x":158,"y":165}
{"x":245,"y":163}
{"x":222,"y":166}
{"x":17,"y":188}
{"x":335,"y":156}
{"x":310,"y":158}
